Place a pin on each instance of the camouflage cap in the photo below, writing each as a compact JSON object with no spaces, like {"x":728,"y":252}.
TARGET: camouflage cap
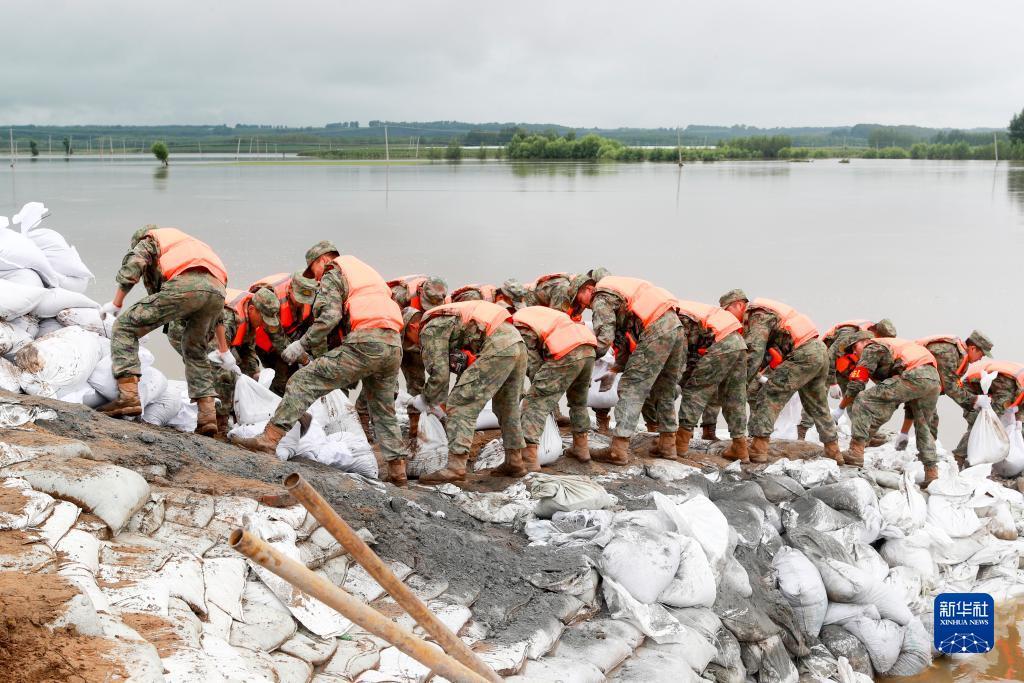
{"x":433,"y":291}
{"x":267,"y":304}
{"x":319,"y":249}
{"x":978,"y":338}
{"x":884,"y":328}
{"x":303,"y":289}
{"x":514,"y":289}
{"x":731,"y":297}
{"x":596,"y":274}
{"x":140,"y":233}
{"x":577,"y":282}
{"x":858,"y":336}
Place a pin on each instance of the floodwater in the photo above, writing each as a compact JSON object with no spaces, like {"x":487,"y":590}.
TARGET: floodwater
{"x":933,"y":245}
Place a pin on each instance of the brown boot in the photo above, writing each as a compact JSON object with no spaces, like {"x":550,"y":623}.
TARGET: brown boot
{"x":707,"y":434}
{"x":414,"y":425}
{"x":665,"y":446}
{"x":616,"y":454}
{"x":262,"y":443}
{"x":683,"y":437}
{"x":580,"y":447}
{"x":206,"y":423}
{"x":801,"y":432}
{"x":127,"y":402}
{"x":878,"y":440}
{"x":530,"y":458}
{"x":931,"y":473}
{"x":737,"y":450}
{"x":513,"y":465}
{"x":396,"y":472}
{"x":455,"y":471}
{"x":832,"y":452}
{"x":604,"y":419}
{"x":758,"y":451}
{"x":855,"y":454}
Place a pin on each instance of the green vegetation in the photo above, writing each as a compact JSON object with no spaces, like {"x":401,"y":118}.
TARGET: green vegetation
{"x":161,"y":152}
{"x":1017,"y":127}
{"x":454,"y":151}
{"x":33,"y":148}
{"x":67,"y":146}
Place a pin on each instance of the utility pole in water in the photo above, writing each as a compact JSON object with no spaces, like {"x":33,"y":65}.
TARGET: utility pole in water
{"x":995,"y":146}
{"x":387,"y":152}
{"x":11,"y":131}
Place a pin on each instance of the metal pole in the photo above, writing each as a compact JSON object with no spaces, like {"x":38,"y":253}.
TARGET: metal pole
{"x":296,"y":485}
{"x":11,"y":131}
{"x":298,"y":575}
{"x":387,"y":151}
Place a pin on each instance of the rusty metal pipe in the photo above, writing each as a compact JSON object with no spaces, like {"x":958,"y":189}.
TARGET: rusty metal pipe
{"x":300,"y":576}
{"x":375,"y":567}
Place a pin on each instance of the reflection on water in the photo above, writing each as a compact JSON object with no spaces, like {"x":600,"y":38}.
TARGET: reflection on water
{"x":160,"y":177}
{"x":1015,"y":183}
{"x":525,"y":169}
{"x":1005,"y":662}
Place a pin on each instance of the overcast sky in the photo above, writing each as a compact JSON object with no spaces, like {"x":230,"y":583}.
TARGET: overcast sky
{"x":581,"y":63}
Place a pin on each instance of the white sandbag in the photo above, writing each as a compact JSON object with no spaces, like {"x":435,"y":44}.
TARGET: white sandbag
{"x":62,"y":359}
{"x":336,"y":413}
{"x":431,"y":448}
{"x":789,"y":419}
{"x":253,"y":403}
{"x":63,"y":258}
{"x":83,"y":395}
{"x":953,"y":514}
{"x":882,"y":638}
{"x":75,"y":284}
{"x":18,"y":251}
{"x":603,"y":400}
{"x":487,"y":419}
{"x":152,"y":386}
{"x":12,"y":339}
{"x":110,"y":492}
{"x":10,"y":376}
{"x":550,"y":447}
{"x":801,"y":585}
{"x":988,"y":441}
{"x":23,"y":276}
{"x":700,"y":519}
{"x":567,"y":493}
{"x":57,"y":299}
{"x":17,"y":300}
{"x":642,"y":561}
{"x":1013,"y":465}
{"x":903,"y":511}
{"x":102,"y":376}
{"x":694,"y":582}
{"x":163,"y":409}
{"x":28,"y":323}
{"x":86,"y":318}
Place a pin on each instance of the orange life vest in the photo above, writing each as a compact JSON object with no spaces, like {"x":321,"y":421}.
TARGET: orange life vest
{"x":238,"y":301}
{"x":799,"y":327}
{"x":369,"y":305}
{"x":412,"y":285}
{"x":644,"y":300}
{"x":1014,"y":371}
{"x":289,"y":315}
{"x":180,"y":252}
{"x":949,"y":339}
{"x":488,"y":316}
{"x":907,"y":351}
{"x":862,"y":325}
{"x":718,"y":320}
{"x":556,"y":329}
{"x":487,"y":292}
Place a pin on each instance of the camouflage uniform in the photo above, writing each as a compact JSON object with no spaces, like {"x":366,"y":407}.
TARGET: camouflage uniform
{"x":948,"y":357}
{"x":804,"y":370}
{"x":432,"y":292}
{"x":372,"y":356}
{"x":719,"y":374}
{"x":301,"y":293}
{"x":653,"y":368}
{"x":194,"y":297}
{"x":497,"y":374}
{"x":549,"y":379}
{"x":553,"y":293}
{"x":871,"y":407}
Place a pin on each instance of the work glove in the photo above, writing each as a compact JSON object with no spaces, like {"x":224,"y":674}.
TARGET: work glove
{"x":835,"y":392}
{"x":228,"y":362}
{"x":293,"y":352}
{"x":901,"y":441}
{"x":420,"y":404}
{"x":607,"y":382}
{"x":983,"y":401}
{"x":109,"y":309}
{"x":837,"y":414}
{"x":762,"y":379}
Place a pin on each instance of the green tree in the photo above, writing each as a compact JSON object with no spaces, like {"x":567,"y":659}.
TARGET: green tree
{"x":160,"y":151}
{"x":33,"y":147}
{"x":1017,"y":127}
{"x":454,"y":150}
{"x":481,"y":153}
{"x":67,"y":146}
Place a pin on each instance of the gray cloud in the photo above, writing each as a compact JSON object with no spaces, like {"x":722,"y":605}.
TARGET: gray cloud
{"x":793,"y":62}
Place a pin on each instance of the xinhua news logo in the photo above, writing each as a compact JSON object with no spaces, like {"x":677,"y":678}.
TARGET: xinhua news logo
{"x":964,"y":623}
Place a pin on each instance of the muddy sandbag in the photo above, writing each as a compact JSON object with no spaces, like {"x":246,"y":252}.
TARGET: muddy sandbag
{"x":801,"y":585}
{"x":10,"y":376}
{"x":916,"y":652}
{"x":853,"y":495}
{"x":642,"y":561}
{"x":110,"y":492}
{"x":431,"y":447}
{"x":737,"y":491}
{"x":882,"y":638}
{"x":746,"y":519}
{"x":694,"y":582}
{"x":808,"y":512}
{"x":86,"y":318}
{"x":819,"y":665}
{"x":727,"y":665}
{"x":779,"y":488}
{"x":776,"y":666}
{"x":63,"y":359}
{"x":766,"y":595}
{"x":12,"y":338}
{"x":745,"y":620}
{"x":842,"y":643}
{"x":555,"y":493}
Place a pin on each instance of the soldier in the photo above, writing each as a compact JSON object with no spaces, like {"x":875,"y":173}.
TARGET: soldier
{"x":838,"y":371}
{"x":512,"y":294}
{"x":638,"y":319}
{"x":477,"y":339}
{"x":354,"y":314}
{"x":185,"y":282}
{"x":953,"y":356}
{"x":412,"y":363}
{"x":786,"y":343}
{"x":558,"y":290}
{"x":1006,"y":393}
{"x":560,"y":356}
{"x":420,"y":292}
{"x":719,"y":370}
{"x":903,"y":372}
{"x":291,"y":316}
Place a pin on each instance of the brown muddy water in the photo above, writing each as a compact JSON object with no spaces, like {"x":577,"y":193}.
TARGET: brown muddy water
{"x":933,"y":245}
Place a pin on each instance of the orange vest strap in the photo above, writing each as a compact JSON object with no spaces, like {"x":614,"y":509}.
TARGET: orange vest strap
{"x":859,"y":324}
{"x":488,"y":316}
{"x":720,"y":321}
{"x":180,"y":252}
{"x":800,"y":328}
{"x":369,"y":304}
{"x":557,"y":331}
{"x":907,"y":351}
{"x":644,"y":300}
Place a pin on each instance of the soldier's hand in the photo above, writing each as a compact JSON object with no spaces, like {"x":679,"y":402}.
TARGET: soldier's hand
{"x":607,"y":382}
{"x":837,"y":414}
{"x":228,"y":362}
{"x":835,"y":392}
{"x":109,"y":309}
{"x":901,"y":441}
{"x":293,"y":352}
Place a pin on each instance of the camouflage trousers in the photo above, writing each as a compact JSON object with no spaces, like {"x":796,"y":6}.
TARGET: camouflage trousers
{"x":805,"y":371}
{"x":720,"y":374}
{"x":651,"y":376}
{"x":569,"y":375}
{"x":282,"y":371}
{"x":497,"y":376}
{"x":415,"y":377}
{"x":224,"y":381}
{"x":805,"y":419}
{"x":373,"y":363}
{"x":918,"y":388}
{"x":198,"y":312}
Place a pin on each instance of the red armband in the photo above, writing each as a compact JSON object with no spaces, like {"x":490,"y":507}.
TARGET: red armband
{"x":701,"y":351}
{"x":859,"y":374}
{"x":470,"y":357}
{"x":774,"y":358}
